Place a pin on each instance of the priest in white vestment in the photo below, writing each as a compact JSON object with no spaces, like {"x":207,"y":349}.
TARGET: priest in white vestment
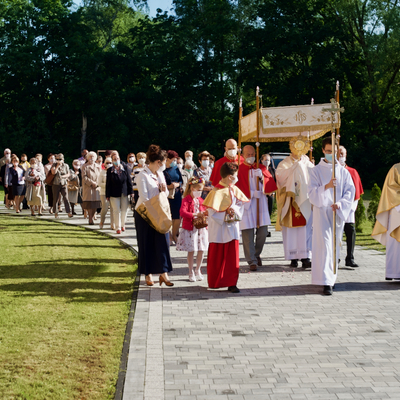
{"x":387,"y":226}
{"x":320,"y":192}
{"x":294,"y":207}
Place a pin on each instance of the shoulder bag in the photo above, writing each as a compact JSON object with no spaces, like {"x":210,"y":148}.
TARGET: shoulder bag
{"x":157,"y":213}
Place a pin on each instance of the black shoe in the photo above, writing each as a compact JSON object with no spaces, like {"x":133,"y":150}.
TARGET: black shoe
{"x":389,"y":279}
{"x":269,"y":234}
{"x":351,"y":264}
{"x":293,"y":263}
{"x":305,"y":263}
{"x":233,"y":289}
{"x":328,"y":290}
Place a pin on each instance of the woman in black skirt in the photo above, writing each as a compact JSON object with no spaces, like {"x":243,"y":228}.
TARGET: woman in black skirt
{"x":16,"y":179}
{"x":154,"y":257}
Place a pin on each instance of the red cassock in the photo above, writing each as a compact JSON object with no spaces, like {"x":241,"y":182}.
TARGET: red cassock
{"x":215,"y":175}
{"x":357,"y":182}
{"x":223,"y":264}
{"x":243,"y":175}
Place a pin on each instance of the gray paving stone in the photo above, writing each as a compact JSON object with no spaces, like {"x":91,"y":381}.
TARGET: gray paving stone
{"x":277,"y":339}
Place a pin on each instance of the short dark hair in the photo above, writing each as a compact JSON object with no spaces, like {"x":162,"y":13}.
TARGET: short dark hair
{"x":204,"y":153}
{"x":156,"y":153}
{"x":229,"y":168}
{"x":172,"y":154}
{"x":50,"y":155}
{"x":328,"y":140}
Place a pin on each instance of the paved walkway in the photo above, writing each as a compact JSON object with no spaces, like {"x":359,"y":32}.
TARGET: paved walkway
{"x":277,"y":339}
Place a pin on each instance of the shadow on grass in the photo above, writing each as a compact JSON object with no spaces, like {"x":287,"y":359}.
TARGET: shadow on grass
{"x":87,"y":291}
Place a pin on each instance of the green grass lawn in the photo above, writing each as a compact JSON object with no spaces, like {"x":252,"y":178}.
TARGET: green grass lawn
{"x":1,"y":194}
{"x":65,"y":295}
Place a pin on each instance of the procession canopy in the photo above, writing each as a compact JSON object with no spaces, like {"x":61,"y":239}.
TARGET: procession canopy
{"x":281,"y":124}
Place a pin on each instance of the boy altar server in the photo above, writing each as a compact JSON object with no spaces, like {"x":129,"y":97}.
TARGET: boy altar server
{"x":387,"y":226}
{"x":249,"y":175}
{"x":225,"y":204}
{"x":294,"y":207}
{"x":320,"y":193}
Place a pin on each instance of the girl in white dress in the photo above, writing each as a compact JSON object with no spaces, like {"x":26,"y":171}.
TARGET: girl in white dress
{"x":190,"y":238}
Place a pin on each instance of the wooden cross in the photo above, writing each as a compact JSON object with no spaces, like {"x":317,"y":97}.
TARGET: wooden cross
{"x":335,"y":108}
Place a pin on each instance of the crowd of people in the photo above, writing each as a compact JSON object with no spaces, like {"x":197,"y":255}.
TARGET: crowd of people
{"x":210,"y":206}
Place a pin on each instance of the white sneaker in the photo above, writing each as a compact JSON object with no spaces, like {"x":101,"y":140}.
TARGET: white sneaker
{"x":199,"y":276}
{"x":192,"y":278}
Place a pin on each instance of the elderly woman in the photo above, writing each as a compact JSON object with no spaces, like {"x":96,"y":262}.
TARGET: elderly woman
{"x":141,"y":157}
{"x":60,"y":170}
{"x":118,"y":188}
{"x":90,"y":188}
{"x":105,"y":204}
{"x":154,"y":256}
{"x":174,"y":181}
{"x":35,"y":191}
{"x":74,"y":185}
{"x":16,"y":179}
{"x":204,"y":172}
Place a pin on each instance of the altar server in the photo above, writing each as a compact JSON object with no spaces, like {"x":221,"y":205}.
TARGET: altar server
{"x":387,"y":226}
{"x":231,"y":155}
{"x":255,"y":182}
{"x":320,"y":192}
{"x":225,"y":204}
{"x":349,"y":226}
{"x":294,"y":207}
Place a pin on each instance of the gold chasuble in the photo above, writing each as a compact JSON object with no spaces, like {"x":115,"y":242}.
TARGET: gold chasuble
{"x":390,"y":198}
{"x":220,"y":198}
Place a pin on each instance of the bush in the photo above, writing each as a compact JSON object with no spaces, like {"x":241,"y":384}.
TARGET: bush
{"x":373,"y":205}
{"x":360,"y":215}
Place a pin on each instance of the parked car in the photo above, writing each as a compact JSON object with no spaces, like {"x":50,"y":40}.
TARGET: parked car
{"x":276,"y":158}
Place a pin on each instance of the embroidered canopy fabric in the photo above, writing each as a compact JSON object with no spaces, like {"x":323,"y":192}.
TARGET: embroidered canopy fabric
{"x":280,"y":124}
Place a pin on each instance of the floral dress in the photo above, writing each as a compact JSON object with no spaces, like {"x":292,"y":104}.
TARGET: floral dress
{"x":195,"y":240}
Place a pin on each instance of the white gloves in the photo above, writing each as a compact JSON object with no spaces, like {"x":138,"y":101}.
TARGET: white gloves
{"x":257,"y":194}
{"x":257,"y":172}
{"x":397,"y":208}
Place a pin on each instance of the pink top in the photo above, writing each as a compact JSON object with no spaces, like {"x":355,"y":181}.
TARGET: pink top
{"x":187,"y":210}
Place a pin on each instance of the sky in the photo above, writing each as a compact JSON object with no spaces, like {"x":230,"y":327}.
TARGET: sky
{"x":165,"y":5}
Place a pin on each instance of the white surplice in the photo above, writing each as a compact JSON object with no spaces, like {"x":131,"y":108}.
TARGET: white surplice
{"x":220,"y":231}
{"x":321,"y":199}
{"x":249,"y":218}
{"x":393,"y":246}
{"x":293,"y":175}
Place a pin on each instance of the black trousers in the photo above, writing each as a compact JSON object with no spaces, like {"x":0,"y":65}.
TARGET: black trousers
{"x":350,"y":231}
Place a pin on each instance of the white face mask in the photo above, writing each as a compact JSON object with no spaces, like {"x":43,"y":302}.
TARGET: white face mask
{"x":250,"y":160}
{"x":8,"y":156}
{"x":91,"y":161}
{"x":142,"y":161}
{"x":162,"y":168}
{"x":131,"y":160}
{"x":180,"y":166}
{"x":205,"y":163}
{"x":52,"y":160}
{"x":266,"y":163}
{"x":196,"y":193}
{"x":342,"y":161}
{"x":189,"y":158}
{"x":232,"y":153}
{"x":234,"y":179}
{"x":108,"y":165}
{"x":77,"y":166}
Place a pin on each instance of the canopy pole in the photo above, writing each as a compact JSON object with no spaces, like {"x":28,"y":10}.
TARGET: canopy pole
{"x":335,"y":156}
{"x":240,"y":130}
{"x":258,"y":150}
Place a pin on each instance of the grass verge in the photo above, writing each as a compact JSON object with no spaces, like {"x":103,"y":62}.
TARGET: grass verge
{"x":65,"y":295}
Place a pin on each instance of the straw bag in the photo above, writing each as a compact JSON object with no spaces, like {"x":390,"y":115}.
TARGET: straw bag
{"x":200,"y":221}
{"x":157,"y":213}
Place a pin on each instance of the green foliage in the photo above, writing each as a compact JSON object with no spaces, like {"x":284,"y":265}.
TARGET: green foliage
{"x":360,"y":215}
{"x":374,"y":203}
{"x":176,"y":79}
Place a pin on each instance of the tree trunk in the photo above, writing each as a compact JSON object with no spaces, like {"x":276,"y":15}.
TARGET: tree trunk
{"x":83,"y":131}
